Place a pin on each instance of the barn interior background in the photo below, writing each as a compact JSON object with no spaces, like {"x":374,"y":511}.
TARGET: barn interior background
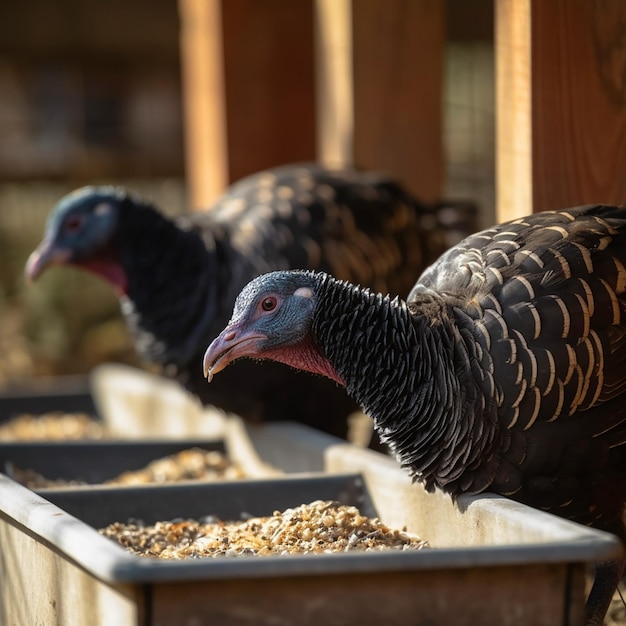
{"x":519,"y":105}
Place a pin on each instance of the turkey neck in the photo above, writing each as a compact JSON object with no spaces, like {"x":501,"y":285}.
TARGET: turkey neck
{"x":410,"y":371}
{"x":170,"y":301}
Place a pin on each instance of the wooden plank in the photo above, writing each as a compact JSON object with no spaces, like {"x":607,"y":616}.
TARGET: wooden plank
{"x":335,"y":95}
{"x":203,"y":100}
{"x":398,"y":48}
{"x":39,"y":586}
{"x":513,"y":109}
{"x":561,"y":104}
{"x":578,"y":102}
{"x":270,"y":83}
{"x":508,"y":596}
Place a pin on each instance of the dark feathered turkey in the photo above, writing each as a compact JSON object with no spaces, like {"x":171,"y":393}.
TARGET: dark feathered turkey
{"x":178,"y":278}
{"x":504,"y":370}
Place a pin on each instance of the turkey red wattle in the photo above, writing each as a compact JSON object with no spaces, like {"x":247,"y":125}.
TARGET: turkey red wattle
{"x":111,"y":271}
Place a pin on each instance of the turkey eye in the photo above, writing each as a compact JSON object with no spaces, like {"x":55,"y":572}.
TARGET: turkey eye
{"x":268,"y":304}
{"x":73,"y":223}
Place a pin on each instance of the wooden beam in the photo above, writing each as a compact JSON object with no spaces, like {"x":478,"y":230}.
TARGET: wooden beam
{"x":561,"y":104}
{"x":579,"y":102}
{"x":335,"y":96}
{"x":398,"y":60}
{"x":206,"y":152}
{"x":513,"y":109}
{"x":248,"y":87}
{"x":270,"y":83}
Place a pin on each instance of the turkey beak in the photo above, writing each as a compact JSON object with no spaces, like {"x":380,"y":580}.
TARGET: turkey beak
{"x":232,"y":343}
{"x":43,"y":257}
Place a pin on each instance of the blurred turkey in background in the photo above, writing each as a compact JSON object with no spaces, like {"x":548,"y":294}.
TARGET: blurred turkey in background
{"x":108,"y":107}
{"x":177,"y":279}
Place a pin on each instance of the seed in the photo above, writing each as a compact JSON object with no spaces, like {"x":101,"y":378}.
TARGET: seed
{"x":319,"y":527}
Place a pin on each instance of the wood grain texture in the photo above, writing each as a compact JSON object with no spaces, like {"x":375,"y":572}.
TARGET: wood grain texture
{"x":579,"y":102}
{"x":335,"y":97}
{"x":513,"y":109}
{"x":203,"y":100}
{"x":561,"y":104}
{"x":392,"y":598}
{"x":270,"y":83}
{"x":398,"y":48}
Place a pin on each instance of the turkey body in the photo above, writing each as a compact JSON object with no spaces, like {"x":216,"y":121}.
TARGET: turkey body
{"x":502,"y":371}
{"x":178,"y":278}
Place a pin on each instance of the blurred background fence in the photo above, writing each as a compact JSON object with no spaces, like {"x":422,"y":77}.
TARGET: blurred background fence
{"x":119,"y":92}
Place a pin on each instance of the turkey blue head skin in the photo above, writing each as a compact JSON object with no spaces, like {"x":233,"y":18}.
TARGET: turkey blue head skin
{"x":272,"y":319}
{"x":81,"y":232}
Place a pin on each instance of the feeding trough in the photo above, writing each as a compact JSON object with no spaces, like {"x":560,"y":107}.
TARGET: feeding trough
{"x":491,"y":560}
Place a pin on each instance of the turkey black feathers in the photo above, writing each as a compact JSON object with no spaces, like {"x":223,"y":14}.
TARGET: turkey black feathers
{"x":502,"y":371}
{"x":178,"y":278}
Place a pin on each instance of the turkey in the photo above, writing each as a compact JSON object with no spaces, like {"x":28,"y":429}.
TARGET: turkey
{"x":178,"y":278}
{"x":504,"y":370}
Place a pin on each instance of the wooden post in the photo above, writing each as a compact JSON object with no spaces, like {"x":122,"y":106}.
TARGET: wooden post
{"x":379,"y":88}
{"x":206,"y":151}
{"x":248,"y":87}
{"x":270,"y":83}
{"x":513,"y":109}
{"x":335,"y":94}
{"x":398,"y":59}
{"x":561,"y":104}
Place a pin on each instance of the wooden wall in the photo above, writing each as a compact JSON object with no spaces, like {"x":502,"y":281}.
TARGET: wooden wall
{"x":361,"y":82}
{"x":561,"y":103}
{"x":280,"y":60}
{"x":92,"y":91}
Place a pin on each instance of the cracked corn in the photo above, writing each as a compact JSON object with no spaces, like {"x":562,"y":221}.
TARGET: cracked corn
{"x":52,"y":426}
{"x":190,"y":464}
{"x":318,"y":527}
